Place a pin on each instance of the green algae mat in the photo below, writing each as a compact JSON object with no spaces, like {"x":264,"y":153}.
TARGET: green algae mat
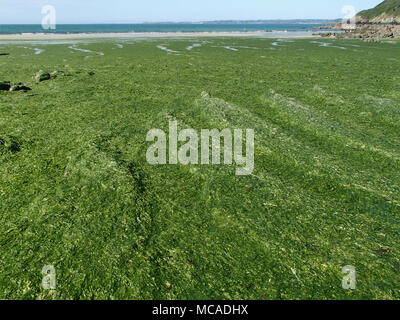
{"x":79,"y":201}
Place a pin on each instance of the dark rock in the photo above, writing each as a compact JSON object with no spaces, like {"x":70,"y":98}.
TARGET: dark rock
{"x":41,"y":76}
{"x":20,"y":87}
{"x":5,"y":85}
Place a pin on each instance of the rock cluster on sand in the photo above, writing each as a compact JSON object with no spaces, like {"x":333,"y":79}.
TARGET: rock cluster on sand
{"x":368,"y":31}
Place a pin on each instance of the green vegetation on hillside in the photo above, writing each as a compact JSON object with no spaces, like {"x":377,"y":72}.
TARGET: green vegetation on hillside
{"x":383,"y":11}
{"x":76,"y":191}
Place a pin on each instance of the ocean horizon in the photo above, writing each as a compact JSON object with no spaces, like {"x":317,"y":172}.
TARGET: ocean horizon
{"x":157,"y":27}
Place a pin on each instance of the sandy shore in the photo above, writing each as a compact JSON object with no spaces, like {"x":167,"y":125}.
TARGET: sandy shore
{"x":132,"y":35}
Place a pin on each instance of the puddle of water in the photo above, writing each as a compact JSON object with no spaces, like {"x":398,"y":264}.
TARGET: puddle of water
{"x":284,"y":40}
{"x":166,"y":49}
{"x":230,"y":48}
{"x":195,"y":45}
{"x":243,"y":47}
{"x":74,"y":47}
{"x":38,"y":51}
{"x":327,"y":45}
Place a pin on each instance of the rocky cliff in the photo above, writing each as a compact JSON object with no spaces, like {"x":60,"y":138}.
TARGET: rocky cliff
{"x":387,"y":12}
{"x":383,"y":21}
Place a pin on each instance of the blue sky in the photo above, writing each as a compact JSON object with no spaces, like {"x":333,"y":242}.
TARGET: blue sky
{"x":131,"y":11}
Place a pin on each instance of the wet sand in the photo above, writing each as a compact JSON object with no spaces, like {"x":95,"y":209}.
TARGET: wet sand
{"x":135,"y":35}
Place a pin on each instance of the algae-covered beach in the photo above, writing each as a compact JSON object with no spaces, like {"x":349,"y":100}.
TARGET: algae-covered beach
{"x":77,"y":193}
